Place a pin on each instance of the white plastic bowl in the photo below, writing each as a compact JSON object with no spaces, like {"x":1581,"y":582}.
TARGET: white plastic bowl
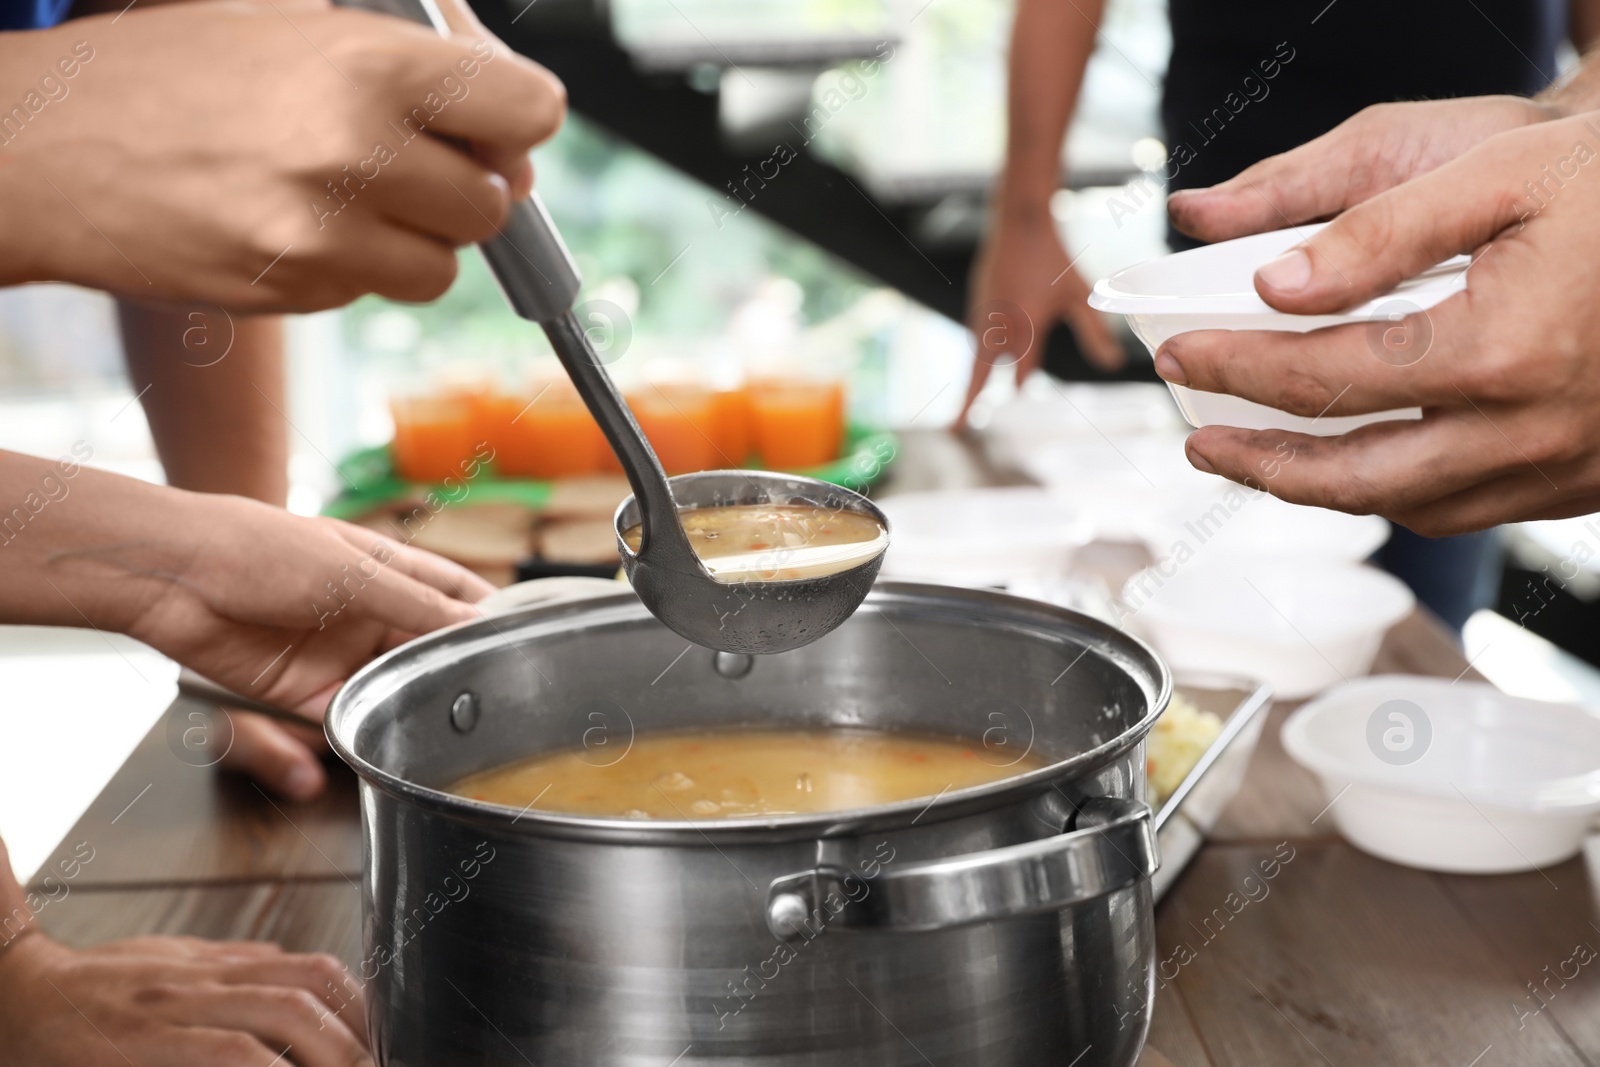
{"x":981,"y":537}
{"x":1299,"y":624}
{"x":1242,"y":522}
{"x":1213,"y":288}
{"x":1119,"y":483}
{"x":1474,"y":781}
{"x":1042,"y":415}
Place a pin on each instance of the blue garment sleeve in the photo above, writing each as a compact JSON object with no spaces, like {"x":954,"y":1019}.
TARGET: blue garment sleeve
{"x":32,"y":14}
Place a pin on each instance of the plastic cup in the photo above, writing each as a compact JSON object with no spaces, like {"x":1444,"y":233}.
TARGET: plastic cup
{"x":433,"y":435}
{"x":795,"y":423}
{"x":544,"y":432}
{"x":731,"y":426}
{"x":679,"y":418}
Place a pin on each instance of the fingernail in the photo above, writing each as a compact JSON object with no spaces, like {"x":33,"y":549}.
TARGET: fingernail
{"x":1200,"y":463}
{"x":1170,"y":369}
{"x":302,"y":782}
{"x":1288,"y":273}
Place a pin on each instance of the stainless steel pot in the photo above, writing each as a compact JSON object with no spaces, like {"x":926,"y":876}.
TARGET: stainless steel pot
{"x":1008,"y":924}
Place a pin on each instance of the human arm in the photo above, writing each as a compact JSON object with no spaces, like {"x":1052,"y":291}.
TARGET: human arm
{"x":1583,"y":24}
{"x":213,"y":389}
{"x":275,"y":606}
{"x":1022,"y":265}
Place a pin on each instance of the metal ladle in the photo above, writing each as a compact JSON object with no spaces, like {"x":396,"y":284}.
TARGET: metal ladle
{"x":540,"y":281}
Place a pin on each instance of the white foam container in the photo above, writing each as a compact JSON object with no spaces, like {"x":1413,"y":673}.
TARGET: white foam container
{"x":519,"y":595}
{"x":982,"y":537}
{"x":1060,"y":412}
{"x":1118,"y":483}
{"x":1504,"y":784}
{"x":1213,"y":288}
{"x":1299,"y":624}
{"x":1253,"y":523}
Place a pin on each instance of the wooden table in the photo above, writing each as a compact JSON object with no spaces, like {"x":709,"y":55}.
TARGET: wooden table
{"x":1344,"y":959}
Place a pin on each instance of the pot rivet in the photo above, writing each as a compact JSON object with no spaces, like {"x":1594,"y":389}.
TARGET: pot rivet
{"x":733,"y":665}
{"x":464,"y":713}
{"x":787,"y":914}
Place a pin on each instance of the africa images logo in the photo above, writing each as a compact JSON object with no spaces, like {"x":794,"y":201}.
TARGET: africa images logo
{"x":1399,"y":732}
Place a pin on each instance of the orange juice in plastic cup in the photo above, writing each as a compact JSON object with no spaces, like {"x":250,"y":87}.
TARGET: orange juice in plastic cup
{"x":433,"y":435}
{"x":796,"y":423}
{"x":679,"y":418}
{"x":731,"y":426}
{"x":545,"y":431}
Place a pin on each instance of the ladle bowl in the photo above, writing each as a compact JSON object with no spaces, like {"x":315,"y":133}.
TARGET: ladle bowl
{"x":747,"y":617}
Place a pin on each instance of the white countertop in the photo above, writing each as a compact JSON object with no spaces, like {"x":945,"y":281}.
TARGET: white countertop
{"x":73,"y":704}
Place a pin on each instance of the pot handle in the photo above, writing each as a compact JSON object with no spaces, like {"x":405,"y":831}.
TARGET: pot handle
{"x":1112,"y":845}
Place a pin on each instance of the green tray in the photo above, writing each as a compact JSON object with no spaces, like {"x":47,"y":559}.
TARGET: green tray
{"x":370,"y":480}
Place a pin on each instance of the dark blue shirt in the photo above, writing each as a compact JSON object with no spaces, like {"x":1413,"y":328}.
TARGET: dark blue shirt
{"x":32,"y":14}
{"x":1252,"y":78}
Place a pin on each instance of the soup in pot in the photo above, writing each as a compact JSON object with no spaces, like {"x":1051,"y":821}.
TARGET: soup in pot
{"x":776,"y":542}
{"x":725,"y":774}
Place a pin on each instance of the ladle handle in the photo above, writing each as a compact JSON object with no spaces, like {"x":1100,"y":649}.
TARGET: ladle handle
{"x":658,"y":512}
{"x":531,"y":262}
{"x":535,"y":271}
{"x":540,"y":282}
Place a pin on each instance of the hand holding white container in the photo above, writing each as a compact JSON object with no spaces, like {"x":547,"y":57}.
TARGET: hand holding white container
{"x":1213,"y":288}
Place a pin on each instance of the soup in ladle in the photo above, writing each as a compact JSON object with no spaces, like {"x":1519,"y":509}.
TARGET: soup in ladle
{"x":776,"y":542}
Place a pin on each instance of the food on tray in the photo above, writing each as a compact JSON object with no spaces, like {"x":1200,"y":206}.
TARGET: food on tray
{"x":771,"y":542}
{"x":578,"y":541}
{"x":1180,"y":737}
{"x":730,"y":773}
{"x":490,"y":539}
{"x":595,"y":496}
{"x":477,"y":534}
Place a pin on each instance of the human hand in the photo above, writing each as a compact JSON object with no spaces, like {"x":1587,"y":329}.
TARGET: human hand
{"x":176,"y":1000}
{"x":1374,"y":150}
{"x":262,"y":156}
{"x":1507,"y":373}
{"x":1023,"y":284}
{"x":281,"y":756}
{"x":282,"y":607}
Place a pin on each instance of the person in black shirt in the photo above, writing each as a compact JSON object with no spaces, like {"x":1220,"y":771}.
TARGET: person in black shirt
{"x":1346,"y":55}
